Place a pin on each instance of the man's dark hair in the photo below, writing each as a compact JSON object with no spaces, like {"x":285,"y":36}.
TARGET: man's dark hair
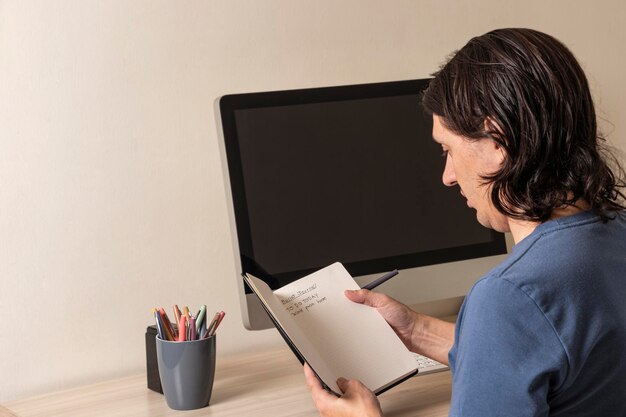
{"x":526,"y":91}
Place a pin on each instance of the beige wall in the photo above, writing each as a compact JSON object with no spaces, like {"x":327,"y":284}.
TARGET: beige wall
{"x":111,"y":192}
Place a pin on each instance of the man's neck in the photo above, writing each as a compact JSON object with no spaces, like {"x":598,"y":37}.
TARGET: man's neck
{"x":521,"y":228}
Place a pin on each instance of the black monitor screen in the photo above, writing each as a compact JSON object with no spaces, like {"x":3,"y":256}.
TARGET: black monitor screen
{"x":327,"y":175}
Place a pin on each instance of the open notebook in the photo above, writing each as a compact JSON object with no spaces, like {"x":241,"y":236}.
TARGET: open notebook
{"x":336,"y":337}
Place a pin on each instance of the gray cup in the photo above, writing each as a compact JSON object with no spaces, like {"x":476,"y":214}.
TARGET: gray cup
{"x":187,"y":370}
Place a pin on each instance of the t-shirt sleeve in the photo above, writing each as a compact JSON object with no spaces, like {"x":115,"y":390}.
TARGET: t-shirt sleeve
{"x":507,"y":357}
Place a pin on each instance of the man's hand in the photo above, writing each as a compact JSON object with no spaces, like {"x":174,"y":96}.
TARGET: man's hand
{"x":420,"y":333}
{"x":356,"y":401}
{"x":400,"y":317}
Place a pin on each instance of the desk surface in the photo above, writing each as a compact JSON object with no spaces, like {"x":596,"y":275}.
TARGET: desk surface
{"x":269,"y":384}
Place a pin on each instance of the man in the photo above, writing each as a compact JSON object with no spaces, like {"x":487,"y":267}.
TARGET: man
{"x":544,"y":333}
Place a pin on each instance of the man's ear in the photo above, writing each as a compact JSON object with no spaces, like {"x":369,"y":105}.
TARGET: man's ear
{"x":498,"y":154}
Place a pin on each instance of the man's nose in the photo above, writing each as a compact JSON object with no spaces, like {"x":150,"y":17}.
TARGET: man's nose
{"x":449,"y":177}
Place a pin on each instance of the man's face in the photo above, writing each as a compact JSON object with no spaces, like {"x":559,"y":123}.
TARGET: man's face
{"x":466,"y":162}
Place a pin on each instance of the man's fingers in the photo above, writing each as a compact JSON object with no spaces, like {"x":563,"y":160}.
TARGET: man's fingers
{"x":367,"y":297}
{"x":317,"y":391}
{"x":357,"y":399}
{"x":348,"y":384}
{"x":319,"y":394}
{"x":311,"y":379}
{"x":351,"y":387}
{"x":342,"y":383}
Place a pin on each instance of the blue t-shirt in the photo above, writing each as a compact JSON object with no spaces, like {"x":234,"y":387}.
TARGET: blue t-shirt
{"x":544,"y":333}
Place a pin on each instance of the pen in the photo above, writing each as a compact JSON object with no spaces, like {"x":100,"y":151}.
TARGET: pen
{"x":157,"y":318}
{"x":192,"y":328}
{"x":219,"y":320}
{"x":200,"y":318}
{"x":209,"y":328}
{"x":167,"y":325}
{"x":380,"y":280}
{"x":182,"y":329}
{"x":176,"y":314}
{"x":203,"y":329}
{"x":186,"y":312}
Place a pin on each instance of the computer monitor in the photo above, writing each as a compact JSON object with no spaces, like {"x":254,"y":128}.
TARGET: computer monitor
{"x":348,"y":174}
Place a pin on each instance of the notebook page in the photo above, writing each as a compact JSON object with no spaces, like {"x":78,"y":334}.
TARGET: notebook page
{"x":354,"y":340}
{"x":297,"y":336}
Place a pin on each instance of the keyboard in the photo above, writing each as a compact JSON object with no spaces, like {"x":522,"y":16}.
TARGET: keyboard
{"x":428,"y":366}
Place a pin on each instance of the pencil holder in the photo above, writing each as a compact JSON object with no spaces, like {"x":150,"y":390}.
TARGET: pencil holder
{"x":187,"y":370}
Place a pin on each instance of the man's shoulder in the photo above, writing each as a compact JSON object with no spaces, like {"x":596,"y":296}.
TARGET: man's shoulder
{"x":562,"y":272}
{"x":554,"y":305}
{"x":564,"y":247}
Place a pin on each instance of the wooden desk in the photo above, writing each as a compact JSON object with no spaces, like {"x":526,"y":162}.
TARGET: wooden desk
{"x":264,"y":384}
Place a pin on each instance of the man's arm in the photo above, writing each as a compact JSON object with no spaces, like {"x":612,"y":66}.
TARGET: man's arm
{"x":420,"y":333}
{"x":433,"y":337}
